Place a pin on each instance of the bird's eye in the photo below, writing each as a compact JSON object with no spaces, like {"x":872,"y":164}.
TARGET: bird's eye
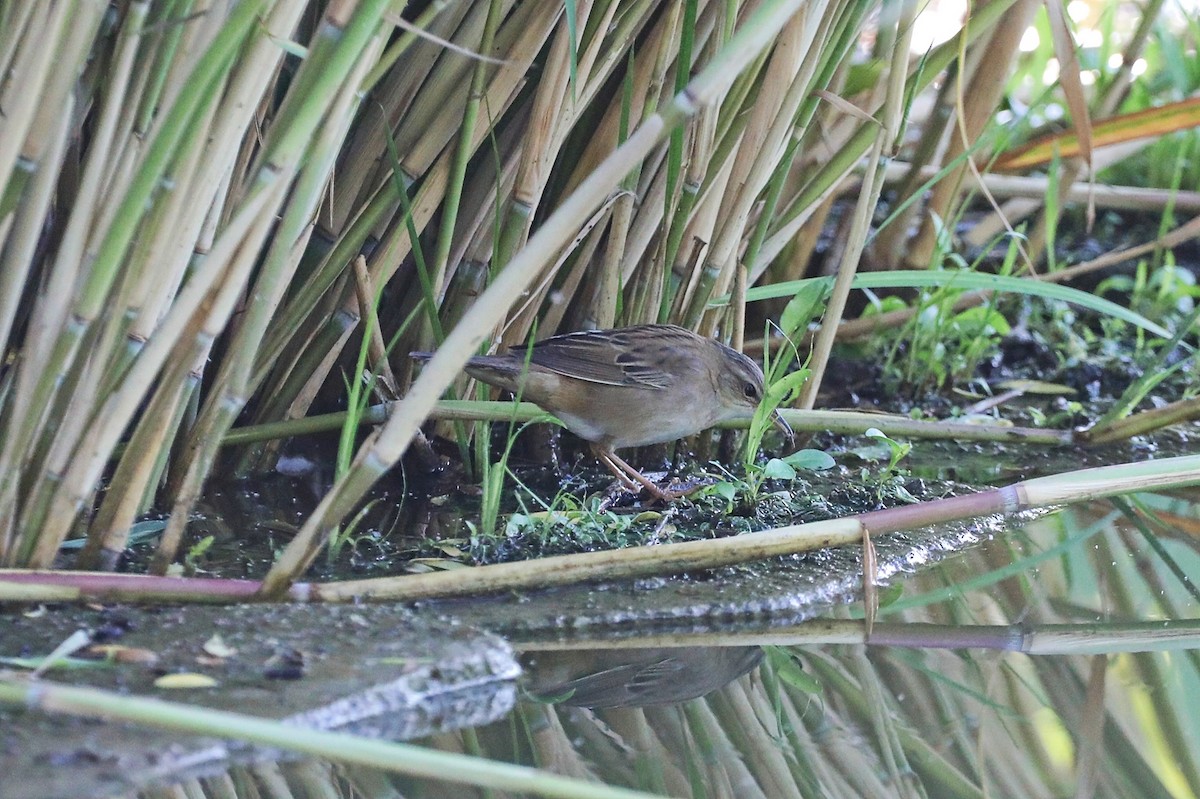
{"x":750,"y":390}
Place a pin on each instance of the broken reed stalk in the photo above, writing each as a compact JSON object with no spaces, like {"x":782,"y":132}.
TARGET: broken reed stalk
{"x":1042,"y":492}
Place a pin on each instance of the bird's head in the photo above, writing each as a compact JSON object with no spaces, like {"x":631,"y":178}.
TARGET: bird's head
{"x":740,"y":384}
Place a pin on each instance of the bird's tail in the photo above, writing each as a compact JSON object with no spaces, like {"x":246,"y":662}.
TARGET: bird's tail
{"x":495,"y":370}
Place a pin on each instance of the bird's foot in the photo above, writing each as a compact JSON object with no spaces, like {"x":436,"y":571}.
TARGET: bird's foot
{"x":620,"y":493}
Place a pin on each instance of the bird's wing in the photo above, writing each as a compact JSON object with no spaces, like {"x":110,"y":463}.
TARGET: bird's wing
{"x":626,"y":357}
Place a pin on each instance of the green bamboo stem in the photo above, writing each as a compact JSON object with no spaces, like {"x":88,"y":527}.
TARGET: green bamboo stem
{"x":338,"y":46}
{"x":21,"y":421}
{"x":40,"y":151}
{"x":250,"y":225}
{"x":17,"y":256}
{"x":1079,"y":486}
{"x":645,"y":74}
{"x":17,"y":19}
{"x":158,"y":264}
{"x":127,"y":214}
{"x":243,"y":19}
{"x":555,"y":108}
{"x":180,"y":245}
{"x":703,"y":292}
{"x":33,"y":63}
{"x":168,"y":37}
{"x":341,"y":747}
{"x":1144,"y":422}
{"x":463,"y":150}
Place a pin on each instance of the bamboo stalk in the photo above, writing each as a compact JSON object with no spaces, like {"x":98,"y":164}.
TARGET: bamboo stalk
{"x":404,"y":758}
{"x":1077,"y":486}
{"x":888,"y":138}
{"x":1040,"y":492}
{"x":38,"y":387}
{"x":87,"y":464}
{"x":228,"y":394}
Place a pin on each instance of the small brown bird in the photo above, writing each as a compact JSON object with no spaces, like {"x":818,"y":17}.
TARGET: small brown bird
{"x":630,"y":387}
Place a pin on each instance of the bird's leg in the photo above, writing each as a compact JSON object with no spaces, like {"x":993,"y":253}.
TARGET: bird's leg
{"x":602,"y":455}
{"x":628,"y":475}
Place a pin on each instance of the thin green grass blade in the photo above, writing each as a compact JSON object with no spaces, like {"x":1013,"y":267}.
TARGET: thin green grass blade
{"x":967,"y":281}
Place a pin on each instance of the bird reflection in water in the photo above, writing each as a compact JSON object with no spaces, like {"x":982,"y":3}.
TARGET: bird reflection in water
{"x":611,"y":678}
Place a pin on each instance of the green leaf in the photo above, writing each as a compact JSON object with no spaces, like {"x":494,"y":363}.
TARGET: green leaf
{"x":810,"y":460}
{"x":890,"y":594}
{"x":804,"y":306}
{"x":898,"y":449}
{"x":777,"y":469}
{"x":982,"y":321}
{"x":785,"y":388}
{"x":140,"y":533}
{"x":291,"y":48}
{"x":724,"y":489}
{"x":789,"y":671}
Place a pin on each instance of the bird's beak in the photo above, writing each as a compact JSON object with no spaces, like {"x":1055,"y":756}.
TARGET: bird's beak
{"x":782,"y":425}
